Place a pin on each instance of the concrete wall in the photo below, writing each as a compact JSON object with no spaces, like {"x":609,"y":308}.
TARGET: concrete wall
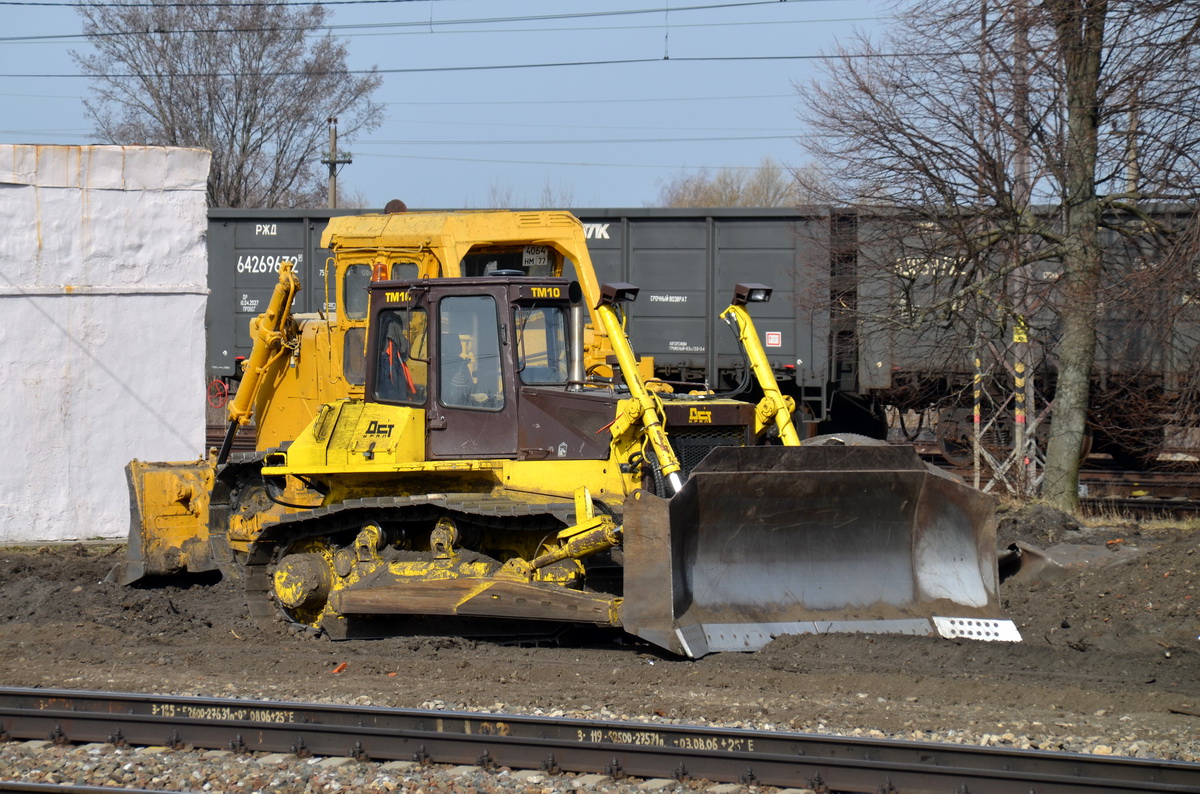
{"x":102,"y":294}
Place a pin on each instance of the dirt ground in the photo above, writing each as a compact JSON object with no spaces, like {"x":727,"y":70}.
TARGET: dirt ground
{"x":1110,"y":660}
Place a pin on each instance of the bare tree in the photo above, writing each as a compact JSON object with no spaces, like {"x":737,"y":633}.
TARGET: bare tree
{"x":560,"y":195}
{"x":767,"y":185}
{"x":504,"y":196}
{"x":1009,"y":145}
{"x":501,"y":196}
{"x":255,"y":82}
{"x":355,"y":199}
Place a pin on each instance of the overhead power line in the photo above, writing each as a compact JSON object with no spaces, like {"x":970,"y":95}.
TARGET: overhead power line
{"x":421,"y":28}
{"x":493,"y":67}
{"x":44,"y":4}
{"x":423,"y":25}
{"x":508,"y":102}
{"x":599,"y":28}
{"x":492,"y":123}
{"x":575,"y":141}
{"x":71,"y":4}
{"x":497,"y":161}
{"x":248,"y":3}
{"x":655,"y":100}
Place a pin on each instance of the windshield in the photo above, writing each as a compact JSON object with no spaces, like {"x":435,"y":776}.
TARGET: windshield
{"x":469,"y":361}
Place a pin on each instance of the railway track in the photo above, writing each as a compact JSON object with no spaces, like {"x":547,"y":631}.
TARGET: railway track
{"x":214,"y":436}
{"x":1169,"y":492}
{"x":1172,"y":491}
{"x":616,"y":749}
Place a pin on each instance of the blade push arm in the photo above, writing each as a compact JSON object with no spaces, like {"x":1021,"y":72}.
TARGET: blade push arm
{"x":269,"y":331}
{"x":775,"y":407}
{"x":643,"y":407}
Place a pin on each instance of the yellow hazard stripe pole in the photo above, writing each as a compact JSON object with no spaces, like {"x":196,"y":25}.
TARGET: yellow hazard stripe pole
{"x":977,"y":416}
{"x":1019,"y":410}
{"x":1021,"y":436}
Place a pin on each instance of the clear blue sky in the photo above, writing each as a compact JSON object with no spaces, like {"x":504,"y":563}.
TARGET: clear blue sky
{"x":597,"y":134}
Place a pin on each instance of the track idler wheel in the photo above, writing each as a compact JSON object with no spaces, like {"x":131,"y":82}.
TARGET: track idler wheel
{"x":302,"y":582}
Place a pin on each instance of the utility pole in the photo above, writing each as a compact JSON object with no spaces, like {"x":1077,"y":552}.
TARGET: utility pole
{"x":333,"y":161}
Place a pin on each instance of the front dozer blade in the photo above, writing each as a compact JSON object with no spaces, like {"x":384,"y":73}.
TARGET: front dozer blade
{"x":767,"y":541}
{"x":168,"y":520}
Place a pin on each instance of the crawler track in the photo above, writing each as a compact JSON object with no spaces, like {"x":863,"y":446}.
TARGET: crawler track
{"x":350,"y":515}
{"x":823,"y":763}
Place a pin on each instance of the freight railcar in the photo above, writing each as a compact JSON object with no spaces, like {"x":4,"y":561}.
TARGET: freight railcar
{"x":929,"y":324}
{"x":833,"y":330}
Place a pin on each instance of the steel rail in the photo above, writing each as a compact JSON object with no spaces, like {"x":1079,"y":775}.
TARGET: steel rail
{"x":1166,"y":493}
{"x":824,"y":763}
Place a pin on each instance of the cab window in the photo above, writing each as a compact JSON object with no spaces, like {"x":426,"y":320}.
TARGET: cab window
{"x":355,"y":286}
{"x":354,"y":356}
{"x":401,"y":368}
{"x":404,"y":271}
{"x":541,"y":345}
{"x":531,"y":260}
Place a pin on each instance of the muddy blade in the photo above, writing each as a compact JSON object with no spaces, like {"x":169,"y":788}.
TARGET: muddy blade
{"x":168,"y":520}
{"x":792,"y":540}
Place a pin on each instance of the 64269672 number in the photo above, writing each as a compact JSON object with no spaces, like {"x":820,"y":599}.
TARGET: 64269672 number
{"x":264,"y":263}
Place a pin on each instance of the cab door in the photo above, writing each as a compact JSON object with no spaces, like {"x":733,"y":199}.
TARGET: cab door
{"x":474,"y":413}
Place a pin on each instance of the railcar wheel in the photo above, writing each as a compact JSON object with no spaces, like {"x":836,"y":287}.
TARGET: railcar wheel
{"x":1130,"y":450}
{"x":1085,"y":445}
{"x":955,"y":431}
{"x":1131,"y":426}
{"x":955,"y":437}
{"x":1089,"y":440}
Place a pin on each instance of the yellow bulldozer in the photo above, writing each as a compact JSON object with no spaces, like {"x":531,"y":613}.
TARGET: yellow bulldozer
{"x":470,"y":437}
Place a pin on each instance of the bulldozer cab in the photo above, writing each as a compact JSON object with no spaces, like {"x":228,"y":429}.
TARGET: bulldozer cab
{"x":471,"y":352}
{"x":324,"y":356}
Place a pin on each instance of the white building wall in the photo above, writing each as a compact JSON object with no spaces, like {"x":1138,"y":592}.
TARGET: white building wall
{"x":103,"y":282}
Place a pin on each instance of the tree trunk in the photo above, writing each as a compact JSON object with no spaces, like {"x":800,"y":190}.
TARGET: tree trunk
{"x":1079,"y":26}
{"x":1076,"y":352}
